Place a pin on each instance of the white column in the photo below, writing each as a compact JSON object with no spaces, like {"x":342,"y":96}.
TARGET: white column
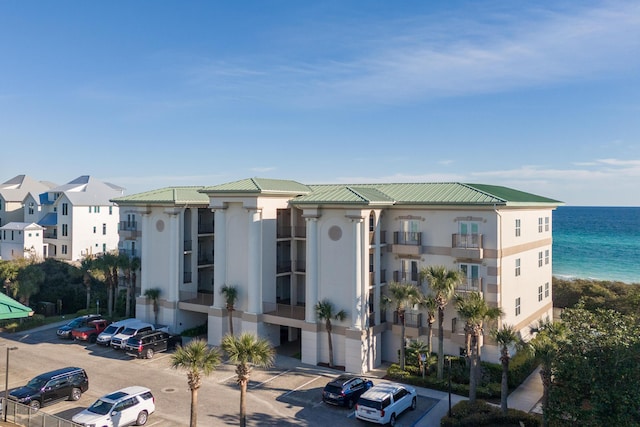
{"x":376,"y":268}
{"x":220,"y":255}
{"x":255,"y":262}
{"x":359,"y":305}
{"x":174,"y":257}
{"x":311,"y":290}
{"x":145,"y":259}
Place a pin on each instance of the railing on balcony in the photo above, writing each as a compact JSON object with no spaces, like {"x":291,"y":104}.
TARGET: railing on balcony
{"x":411,"y":320}
{"x":372,"y":318}
{"x":283,"y":231}
{"x":205,"y":228}
{"x":129,"y":225}
{"x":407,"y":238}
{"x":372,"y":237}
{"x":471,"y":285}
{"x":200,"y":298}
{"x":300,"y":265}
{"x":284,"y":310}
{"x":51,"y":234}
{"x":128,"y":252}
{"x":405,"y":276}
{"x":283,"y":267}
{"x":186,"y":277}
{"x":188,"y":245}
{"x":466,"y":241}
{"x":300,"y":231}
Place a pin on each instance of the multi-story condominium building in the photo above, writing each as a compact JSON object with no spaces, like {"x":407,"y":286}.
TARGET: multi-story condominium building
{"x":78,"y":219}
{"x":286,"y":246}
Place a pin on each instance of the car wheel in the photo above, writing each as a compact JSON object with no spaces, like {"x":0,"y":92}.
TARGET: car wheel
{"x":149,"y":353}
{"x":350,"y":403}
{"x":392,"y":420}
{"x":93,"y":339}
{"x":142,"y":418}
{"x":35,"y":405}
{"x":75,"y":394}
{"x":413,"y":404}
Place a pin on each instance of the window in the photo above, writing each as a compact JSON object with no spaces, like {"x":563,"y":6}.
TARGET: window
{"x":517,"y":228}
{"x":94,"y":229}
{"x":89,"y":209}
{"x":409,"y":271}
{"x":518,"y":306}
{"x":546,"y":257}
{"x":539,"y":293}
{"x":65,"y":229}
{"x":372,"y":223}
{"x":110,"y":210}
{"x":104,"y":247}
{"x":546,"y":223}
{"x":31,"y":208}
{"x":454,"y":325}
{"x":65,"y":209}
{"x":410,"y":234}
{"x":540,"y":225}
{"x":472,"y":275}
{"x":546,"y":290}
{"x":64,"y":249}
{"x":104,"y":231}
{"x":517,"y":267}
{"x":540,"y":259}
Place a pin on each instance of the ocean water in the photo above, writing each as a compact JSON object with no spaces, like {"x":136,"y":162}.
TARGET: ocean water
{"x":601,"y":243}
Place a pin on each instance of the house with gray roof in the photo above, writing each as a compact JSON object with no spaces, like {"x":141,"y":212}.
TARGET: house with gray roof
{"x":286,"y":246}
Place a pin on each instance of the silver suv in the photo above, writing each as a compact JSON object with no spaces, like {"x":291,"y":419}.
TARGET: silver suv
{"x":131,"y":405}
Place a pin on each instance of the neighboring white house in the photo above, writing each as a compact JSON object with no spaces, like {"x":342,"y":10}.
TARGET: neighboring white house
{"x":12,"y":197}
{"x":286,"y":246}
{"x":21,"y":240}
{"x":79,"y":218}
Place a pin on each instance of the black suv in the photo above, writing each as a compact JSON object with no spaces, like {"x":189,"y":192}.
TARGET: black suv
{"x":66,"y":383}
{"x":345,"y":390}
{"x":146,"y":344}
{"x":78,"y":322}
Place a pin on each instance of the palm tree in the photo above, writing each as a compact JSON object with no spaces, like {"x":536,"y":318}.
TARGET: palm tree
{"x":429,"y":303}
{"x":134,"y":265}
{"x":29,"y":278}
{"x":403,"y":295}
{"x":442,"y":283}
{"x":506,"y":336}
{"x":107,"y":263}
{"x":128,"y":265}
{"x":198,"y":360}
{"x":230,"y":294}
{"x":246,"y":351}
{"x":475,"y":311}
{"x":545,"y":347}
{"x":325,"y":312}
{"x":85,"y":268}
{"x":8,"y":273}
{"x":154,"y":295}
{"x":418,"y":348}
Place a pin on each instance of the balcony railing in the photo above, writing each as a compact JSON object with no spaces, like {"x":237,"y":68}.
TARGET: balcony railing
{"x":284,"y":310}
{"x":407,"y":238}
{"x":128,"y":252}
{"x":200,"y":298}
{"x":466,"y":241}
{"x":372,"y":237}
{"x":283,"y":231}
{"x":405,"y":277}
{"x":471,"y":285}
{"x":129,"y":225}
{"x":50,"y":235}
{"x":411,"y":320}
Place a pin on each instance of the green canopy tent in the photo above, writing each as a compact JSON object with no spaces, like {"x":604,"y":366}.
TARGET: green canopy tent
{"x":12,"y":309}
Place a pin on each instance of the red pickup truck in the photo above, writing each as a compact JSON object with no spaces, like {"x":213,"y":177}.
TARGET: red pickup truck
{"x":91,"y":331}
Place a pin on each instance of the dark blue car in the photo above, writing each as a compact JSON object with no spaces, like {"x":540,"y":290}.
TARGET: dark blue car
{"x":345,"y":390}
{"x":78,"y":322}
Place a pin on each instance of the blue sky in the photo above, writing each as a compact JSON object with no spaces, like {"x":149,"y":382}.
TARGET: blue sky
{"x":542,"y":96}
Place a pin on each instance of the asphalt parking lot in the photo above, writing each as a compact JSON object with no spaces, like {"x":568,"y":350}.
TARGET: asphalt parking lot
{"x":289,"y":394}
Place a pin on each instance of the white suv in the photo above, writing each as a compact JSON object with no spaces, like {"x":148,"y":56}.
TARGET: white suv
{"x":383,"y":403}
{"x":131,"y":405}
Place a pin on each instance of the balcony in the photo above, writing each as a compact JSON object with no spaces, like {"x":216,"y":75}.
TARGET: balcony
{"x":406,"y":243}
{"x":205,"y":228}
{"x":50,"y":234}
{"x":372,"y":318}
{"x":466,"y":246}
{"x":284,"y":310}
{"x":300,"y":231}
{"x":196,"y":301}
{"x":372,"y":237}
{"x":283,"y":232}
{"x":128,"y":252}
{"x":400,"y":276}
{"x":129,"y":230}
{"x":411,"y":320}
{"x":471,"y":285}
{"x":383,"y":277}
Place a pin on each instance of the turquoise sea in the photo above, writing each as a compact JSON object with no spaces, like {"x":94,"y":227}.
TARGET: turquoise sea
{"x":601,"y":243}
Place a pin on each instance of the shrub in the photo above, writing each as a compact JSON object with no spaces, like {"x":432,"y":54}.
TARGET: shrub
{"x":195,"y":331}
{"x":465,"y":414}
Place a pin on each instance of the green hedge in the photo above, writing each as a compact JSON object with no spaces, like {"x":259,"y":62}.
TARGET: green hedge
{"x":481,"y":413}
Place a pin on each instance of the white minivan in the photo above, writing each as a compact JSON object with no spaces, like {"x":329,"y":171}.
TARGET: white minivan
{"x":383,"y":403}
{"x":118,"y":341}
{"x":113,"y":329}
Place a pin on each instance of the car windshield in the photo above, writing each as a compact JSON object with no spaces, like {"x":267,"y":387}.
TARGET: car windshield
{"x":129,"y":331}
{"x":75,"y":323}
{"x":111,"y":329}
{"x":100,"y":407}
{"x":37,"y":383}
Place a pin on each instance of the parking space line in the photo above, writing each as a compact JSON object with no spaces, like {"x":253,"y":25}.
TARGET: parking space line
{"x":300,"y":386}
{"x":271,"y":379}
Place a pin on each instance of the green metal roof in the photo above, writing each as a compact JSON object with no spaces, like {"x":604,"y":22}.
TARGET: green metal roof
{"x":12,"y":309}
{"x":420,"y":194}
{"x":166,"y":196}
{"x":260,"y":185}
